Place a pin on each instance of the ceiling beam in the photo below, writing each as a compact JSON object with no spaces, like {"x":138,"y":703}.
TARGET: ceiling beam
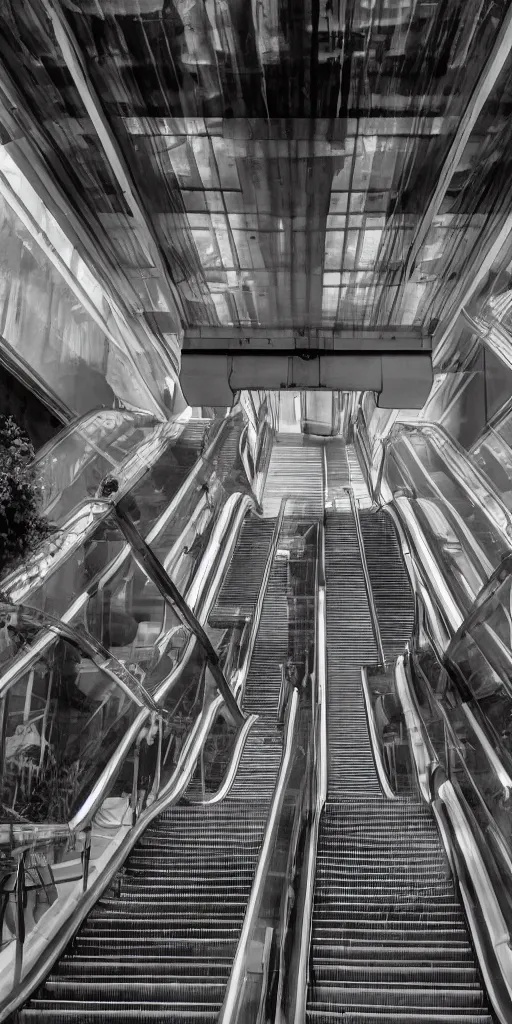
{"x":482,"y":89}
{"x":271,"y":341}
{"x":77,"y":68}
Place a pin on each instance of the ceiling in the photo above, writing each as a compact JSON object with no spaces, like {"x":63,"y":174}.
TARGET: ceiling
{"x":281,"y":163}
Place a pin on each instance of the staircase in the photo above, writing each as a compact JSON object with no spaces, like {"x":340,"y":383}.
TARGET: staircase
{"x":160,"y":942}
{"x":389,"y":939}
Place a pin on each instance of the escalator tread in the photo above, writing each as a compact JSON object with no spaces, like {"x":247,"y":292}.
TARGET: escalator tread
{"x":389,"y":939}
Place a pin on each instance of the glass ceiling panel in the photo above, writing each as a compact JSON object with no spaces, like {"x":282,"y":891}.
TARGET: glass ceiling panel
{"x":288,"y":122}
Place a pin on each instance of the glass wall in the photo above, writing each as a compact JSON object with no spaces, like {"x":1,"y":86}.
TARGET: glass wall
{"x":59,"y":340}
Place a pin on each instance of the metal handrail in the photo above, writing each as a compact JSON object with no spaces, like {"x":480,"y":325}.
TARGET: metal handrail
{"x":20,"y":664}
{"x":453,"y":613}
{"x":90,"y":646}
{"x":500,"y":770}
{"x":374,"y":739}
{"x":238,"y":684}
{"x":423,"y":753}
{"x":18,"y":583}
{"x":230,"y":777}
{"x":9,"y":581}
{"x":320,"y":767}
{"x":94,"y":799}
{"x":481,"y":563}
{"x":367,"y":581}
{"x":439,"y":634}
{"x":450,"y":449}
{"x":231,"y":1000}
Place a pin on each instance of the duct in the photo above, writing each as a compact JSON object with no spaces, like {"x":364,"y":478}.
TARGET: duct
{"x":401,"y":380}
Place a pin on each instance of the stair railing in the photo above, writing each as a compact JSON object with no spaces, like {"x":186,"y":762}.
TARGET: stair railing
{"x":242,"y":672}
{"x":367,"y":580}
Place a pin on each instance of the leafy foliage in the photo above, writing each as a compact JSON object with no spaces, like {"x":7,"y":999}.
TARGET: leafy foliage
{"x":22,"y":526}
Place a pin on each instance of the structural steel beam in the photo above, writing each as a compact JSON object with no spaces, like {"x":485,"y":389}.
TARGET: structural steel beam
{"x":77,"y":68}
{"x":485,"y":83}
{"x":170,"y":592}
{"x":249,"y":340}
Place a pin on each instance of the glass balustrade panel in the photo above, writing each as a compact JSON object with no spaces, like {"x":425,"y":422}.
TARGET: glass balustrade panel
{"x":63,"y":719}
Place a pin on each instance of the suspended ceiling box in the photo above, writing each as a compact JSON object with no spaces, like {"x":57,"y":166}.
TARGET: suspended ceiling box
{"x":217,"y":362}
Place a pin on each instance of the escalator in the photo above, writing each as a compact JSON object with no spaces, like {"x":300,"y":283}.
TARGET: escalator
{"x":159,"y":944}
{"x":389,"y":939}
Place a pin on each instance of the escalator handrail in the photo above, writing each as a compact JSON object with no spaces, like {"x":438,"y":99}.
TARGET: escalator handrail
{"x":231,"y":773}
{"x":321,"y":769}
{"x":478,"y":726}
{"x":439,"y":634}
{"x":229,"y":1009}
{"x":445,"y":443}
{"x":481,"y":564}
{"x":374,"y":739}
{"x":239,"y":683}
{"x":366,"y":574}
{"x":235,"y":987}
{"x":94,"y":799}
{"x":424,"y":555}
{"x":482,"y":885}
{"x":19,"y":665}
{"x":12,"y":583}
{"x":155,"y":570}
{"x":424,"y":755}
{"x":474,"y":864}
{"x":502,"y":572}
{"x":160,"y":444}
{"x":169,"y":795}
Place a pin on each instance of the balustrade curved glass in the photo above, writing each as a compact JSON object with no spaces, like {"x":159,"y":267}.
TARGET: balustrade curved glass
{"x":172,"y":502}
{"x":420,"y":466}
{"x":473,"y":759}
{"x":71,"y":468}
